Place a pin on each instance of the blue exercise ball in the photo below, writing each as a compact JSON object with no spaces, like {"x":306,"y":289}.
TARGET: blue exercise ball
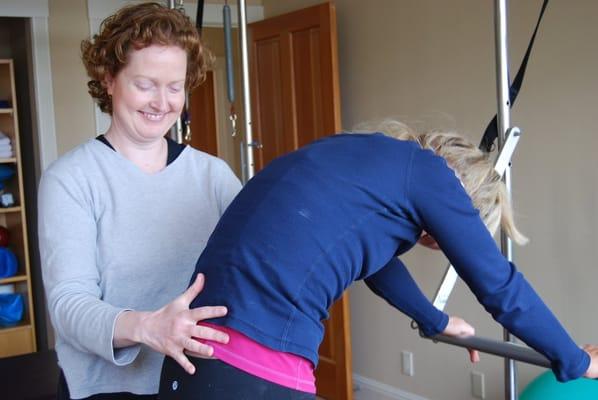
{"x":546,"y":387}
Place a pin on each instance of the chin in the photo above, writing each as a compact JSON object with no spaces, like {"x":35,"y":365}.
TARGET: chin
{"x":155,"y":129}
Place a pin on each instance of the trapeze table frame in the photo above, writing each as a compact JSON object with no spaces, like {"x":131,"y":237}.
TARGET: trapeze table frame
{"x":508,"y":137}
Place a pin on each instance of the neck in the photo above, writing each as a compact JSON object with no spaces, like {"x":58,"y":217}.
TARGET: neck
{"x":149,"y":156}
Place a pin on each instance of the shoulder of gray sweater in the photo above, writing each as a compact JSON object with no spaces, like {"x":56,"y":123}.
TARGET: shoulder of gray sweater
{"x":216,"y":165}
{"x":75,"y":158}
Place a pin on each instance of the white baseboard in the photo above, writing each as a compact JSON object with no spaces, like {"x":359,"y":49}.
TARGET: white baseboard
{"x":369,"y":389}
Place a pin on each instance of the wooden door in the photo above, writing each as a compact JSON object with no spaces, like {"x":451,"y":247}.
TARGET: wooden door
{"x":296,"y":100}
{"x":202,"y":111}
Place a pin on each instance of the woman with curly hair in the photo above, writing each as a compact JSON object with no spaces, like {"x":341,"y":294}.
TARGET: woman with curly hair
{"x":123,"y":217}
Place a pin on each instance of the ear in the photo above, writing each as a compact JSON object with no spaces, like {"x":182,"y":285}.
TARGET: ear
{"x":109,"y":83}
{"x":428,"y":241}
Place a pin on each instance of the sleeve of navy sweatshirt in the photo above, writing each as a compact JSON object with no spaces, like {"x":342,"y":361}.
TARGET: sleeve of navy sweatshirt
{"x":444,"y":210}
{"x":394,"y":284}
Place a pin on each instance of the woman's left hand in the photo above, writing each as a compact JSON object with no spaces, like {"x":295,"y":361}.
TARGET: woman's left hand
{"x":172,"y":330}
{"x":458,"y":327}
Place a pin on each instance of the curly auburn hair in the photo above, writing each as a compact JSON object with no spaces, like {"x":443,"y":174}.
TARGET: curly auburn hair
{"x":136,"y":27}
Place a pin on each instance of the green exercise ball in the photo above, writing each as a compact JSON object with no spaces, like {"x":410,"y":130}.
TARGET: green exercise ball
{"x":546,"y":387}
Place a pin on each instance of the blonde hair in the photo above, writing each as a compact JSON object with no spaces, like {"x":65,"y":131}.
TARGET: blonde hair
{"x":471,"y":165}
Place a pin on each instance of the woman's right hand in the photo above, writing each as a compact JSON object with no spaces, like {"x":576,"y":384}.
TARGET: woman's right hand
{"x":458,"y":327}
{"x":171,"y":329}
{"x":592,"y":371}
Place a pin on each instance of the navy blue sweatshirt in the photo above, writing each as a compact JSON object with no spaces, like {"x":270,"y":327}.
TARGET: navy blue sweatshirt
{"x":342,"y":209}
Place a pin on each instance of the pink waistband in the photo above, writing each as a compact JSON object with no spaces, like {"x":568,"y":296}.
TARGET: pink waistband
{"x":285,"y":369}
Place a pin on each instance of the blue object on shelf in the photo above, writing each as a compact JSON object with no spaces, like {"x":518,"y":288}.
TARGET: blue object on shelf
{"x":4,"y":104}
{"x":6,"y":172}
{"x":11,"y":309}
{"x":8,"y":263}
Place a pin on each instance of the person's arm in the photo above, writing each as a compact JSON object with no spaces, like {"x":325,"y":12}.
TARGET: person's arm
{"x":395,"y":285}
{"x":67,"y":240}
{"x":67,"y":236}
{"x":445,"y":211}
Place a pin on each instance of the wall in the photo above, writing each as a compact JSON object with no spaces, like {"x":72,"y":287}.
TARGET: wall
{"x":431,"y":64}
{"x":68,"y":26}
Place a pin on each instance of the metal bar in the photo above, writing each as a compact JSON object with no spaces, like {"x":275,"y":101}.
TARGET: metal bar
{"x":507,"y":350}
{"x":446,"y":287}
{"x":249,"y":143}
{"x":228,"y":53}
{"x":504,"y":123}
{"x":503,"y":160}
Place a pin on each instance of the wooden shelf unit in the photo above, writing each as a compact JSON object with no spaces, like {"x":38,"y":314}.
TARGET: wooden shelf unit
{"x":20,"y":338}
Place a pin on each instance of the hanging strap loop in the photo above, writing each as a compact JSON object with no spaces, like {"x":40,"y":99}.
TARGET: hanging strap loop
{"x":491,"y":133}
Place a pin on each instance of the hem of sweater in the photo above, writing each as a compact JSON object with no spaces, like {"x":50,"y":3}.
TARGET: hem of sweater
{"x":123,"y":355}
{"x":435,"y":327}
{"x":582,"y":367}
{"x":267,"y":340}
{"x":443,"y":323}
{"x":284,"y":369}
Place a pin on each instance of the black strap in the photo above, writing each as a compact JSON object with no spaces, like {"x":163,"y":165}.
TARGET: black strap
{"x":199,"y":17}
{"x":491,"y":133}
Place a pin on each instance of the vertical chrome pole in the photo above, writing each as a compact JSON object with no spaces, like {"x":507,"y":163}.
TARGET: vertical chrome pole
{"x":176,"y":132}
{"x":504,"y":123}
{"x":249,"y":168}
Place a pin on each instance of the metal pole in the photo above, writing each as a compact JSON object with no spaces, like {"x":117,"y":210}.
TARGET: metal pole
{"x":249,"y":143}
{"x":504,"y":123}
{"x":176,"y":132}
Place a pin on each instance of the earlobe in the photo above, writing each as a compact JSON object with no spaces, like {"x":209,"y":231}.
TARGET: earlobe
{"x":428,"y":241}
{"x":109,"y":84}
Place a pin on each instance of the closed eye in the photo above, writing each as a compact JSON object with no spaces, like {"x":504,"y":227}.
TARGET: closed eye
{"x":144,"y":86}
{"x":175,"y":88}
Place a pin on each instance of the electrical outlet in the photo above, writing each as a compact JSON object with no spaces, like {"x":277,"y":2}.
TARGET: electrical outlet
{"x":478,"y":389}
{"x":407,"y":363}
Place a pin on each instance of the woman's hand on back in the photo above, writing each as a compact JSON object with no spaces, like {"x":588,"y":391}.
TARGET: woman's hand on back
{"x":172,"y":330}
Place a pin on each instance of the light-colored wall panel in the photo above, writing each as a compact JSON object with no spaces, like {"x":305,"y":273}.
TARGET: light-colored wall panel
{"x":68,"y":26}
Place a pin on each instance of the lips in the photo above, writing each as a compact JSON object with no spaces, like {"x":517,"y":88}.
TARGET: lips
{"x":153,"y":117}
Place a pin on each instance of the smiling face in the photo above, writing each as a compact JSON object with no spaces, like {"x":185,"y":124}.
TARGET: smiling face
{"x":148,"y":94}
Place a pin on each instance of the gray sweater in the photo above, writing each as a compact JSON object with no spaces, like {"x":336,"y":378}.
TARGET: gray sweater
{"x":113,"y":238}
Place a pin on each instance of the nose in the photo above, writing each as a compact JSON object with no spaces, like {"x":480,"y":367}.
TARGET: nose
{"x":159,"y":100}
